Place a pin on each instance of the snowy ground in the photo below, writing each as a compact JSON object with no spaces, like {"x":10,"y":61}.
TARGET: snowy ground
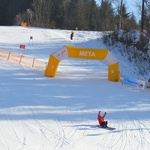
{"x":41,"y":113}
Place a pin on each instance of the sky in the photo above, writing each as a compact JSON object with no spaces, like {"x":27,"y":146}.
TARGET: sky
{"x":60,"y":113}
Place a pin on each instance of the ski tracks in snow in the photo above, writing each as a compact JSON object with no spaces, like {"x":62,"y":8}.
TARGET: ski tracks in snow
{"x":142,"y":136}
{"x":56,"y":135}
{"x":114,"y":139}
{"x":48,"y":129}
{"x":128,"y":135}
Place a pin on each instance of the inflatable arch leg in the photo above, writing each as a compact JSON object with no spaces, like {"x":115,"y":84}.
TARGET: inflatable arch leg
{"x":52,"y":66}
{"x":113,"y":72}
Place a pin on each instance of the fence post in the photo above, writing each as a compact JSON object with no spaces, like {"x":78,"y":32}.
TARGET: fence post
{"x":8,"y":55}
{"x":33,"y":62}
{"x":20,"y":59}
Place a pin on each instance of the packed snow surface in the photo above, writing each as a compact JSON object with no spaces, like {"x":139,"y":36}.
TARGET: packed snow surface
{"x":42,"y":113}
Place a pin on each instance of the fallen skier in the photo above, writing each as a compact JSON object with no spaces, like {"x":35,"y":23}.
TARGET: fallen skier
{"x":101,"y":121}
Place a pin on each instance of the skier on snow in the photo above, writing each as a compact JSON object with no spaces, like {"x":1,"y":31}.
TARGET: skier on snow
{"x":72,"y":35}
{"x":101,"y":121}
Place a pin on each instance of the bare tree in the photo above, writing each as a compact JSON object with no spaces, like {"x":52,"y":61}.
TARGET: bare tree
{"x":120,"y":15}
{"x":142,"y":16}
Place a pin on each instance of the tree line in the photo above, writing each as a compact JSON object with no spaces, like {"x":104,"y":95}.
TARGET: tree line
{"x":69,"y":14}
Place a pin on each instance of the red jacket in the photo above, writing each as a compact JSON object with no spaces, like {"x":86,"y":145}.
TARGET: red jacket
{"x":72,"y":34}
{"x":101,"y":119}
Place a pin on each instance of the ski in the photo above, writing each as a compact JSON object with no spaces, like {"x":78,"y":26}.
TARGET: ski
{"x":110,"y":128}
{"x":107,"y":128}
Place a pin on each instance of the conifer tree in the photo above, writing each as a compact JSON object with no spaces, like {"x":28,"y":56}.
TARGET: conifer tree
{"x":106,"y":16}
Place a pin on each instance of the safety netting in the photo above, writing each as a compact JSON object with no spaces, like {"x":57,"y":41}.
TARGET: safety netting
{"x":23,"y":60}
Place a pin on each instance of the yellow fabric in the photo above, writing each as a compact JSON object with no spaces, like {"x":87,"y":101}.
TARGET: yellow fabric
{"x":87,"y":53}
{"x":83,"y":53}
{"x":52,"y":66}
{"x":113,"y":72}
{"x":23,"y":24}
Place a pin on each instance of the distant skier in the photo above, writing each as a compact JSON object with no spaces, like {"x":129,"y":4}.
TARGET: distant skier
{"x":72,"y":35}
{"x":101,"y":121}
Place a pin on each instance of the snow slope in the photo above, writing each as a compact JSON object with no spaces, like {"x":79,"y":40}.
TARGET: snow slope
{"x":41,"y":113}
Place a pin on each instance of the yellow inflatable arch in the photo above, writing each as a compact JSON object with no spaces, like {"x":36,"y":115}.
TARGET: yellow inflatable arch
{"x":83,"y":53}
